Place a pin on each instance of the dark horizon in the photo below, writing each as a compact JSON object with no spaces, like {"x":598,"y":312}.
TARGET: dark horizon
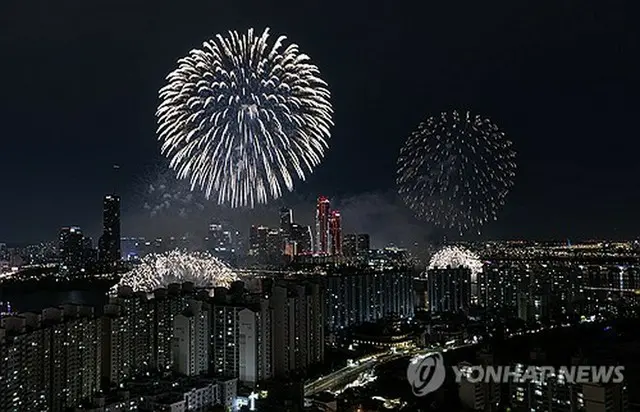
{"x":82,"y":81}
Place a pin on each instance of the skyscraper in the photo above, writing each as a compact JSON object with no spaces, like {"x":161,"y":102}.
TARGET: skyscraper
{"x":219,"y":242}
{"x":323,"y":209}
{"x":301,"y":236}
{"x":110,"y":240}
{"x":286,"y":220}
{"x":70,"y":248}
{"x":258,"y":240}
{"x":335,"y":229}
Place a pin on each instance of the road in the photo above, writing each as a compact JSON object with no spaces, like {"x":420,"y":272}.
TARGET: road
{"x":346,"y":375}
{"x":341,"y":377}
{"x":349,"y":373}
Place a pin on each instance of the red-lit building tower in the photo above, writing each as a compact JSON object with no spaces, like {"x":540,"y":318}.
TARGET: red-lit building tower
{"x":323,"y":210}
{"x":335,"y":229}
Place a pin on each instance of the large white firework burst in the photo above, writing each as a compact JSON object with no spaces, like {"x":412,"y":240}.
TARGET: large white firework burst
{"x":455,"y":170}
{"x":455,"y":257}
{"x":242,"y":117}
{"x":160,"y":270}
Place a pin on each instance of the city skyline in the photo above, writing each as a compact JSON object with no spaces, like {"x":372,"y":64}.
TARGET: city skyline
{"x":540,"y":76}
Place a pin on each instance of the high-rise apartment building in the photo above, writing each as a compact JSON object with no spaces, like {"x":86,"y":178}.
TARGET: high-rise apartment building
{"x":364,"y":295}
{"x":449,"y":289}
{"x":298,"y":319}
{"x":50,"y":361}
{"x":242,"y":340}
{"x":129,"y":333}
{"x":192,"y":339}
{"x":323,"y":210}
{"x":255,"y":344}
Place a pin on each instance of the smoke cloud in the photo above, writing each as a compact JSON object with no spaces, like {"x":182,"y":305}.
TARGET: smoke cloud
{"x":166,"y":207}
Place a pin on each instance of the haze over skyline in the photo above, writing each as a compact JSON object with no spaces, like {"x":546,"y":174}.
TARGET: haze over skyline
{"x":80,"y":96}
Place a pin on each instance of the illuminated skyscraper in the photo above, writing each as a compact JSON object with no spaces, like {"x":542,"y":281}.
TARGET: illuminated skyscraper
{"x":335,"y":229}
{"x":110,"y":240}
{"x":70,"y":248}
{"x":323,"y":210}
{"x":301,"y":236}
{"x":286,"y":220}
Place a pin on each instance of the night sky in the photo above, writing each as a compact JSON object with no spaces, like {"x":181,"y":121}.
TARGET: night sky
{"x":80,"y":81}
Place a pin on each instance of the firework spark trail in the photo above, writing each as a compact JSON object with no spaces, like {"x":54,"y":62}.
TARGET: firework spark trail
{"x":160,"y":270}
{"x":455,"y":170}
{"x":241,"y":118}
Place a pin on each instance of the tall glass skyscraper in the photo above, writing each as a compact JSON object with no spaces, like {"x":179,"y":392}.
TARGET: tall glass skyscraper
{"x":110,"y":240}
{"x":323,"y":210}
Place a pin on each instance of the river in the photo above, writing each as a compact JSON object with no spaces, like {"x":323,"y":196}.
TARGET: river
{"x":35,"y":301}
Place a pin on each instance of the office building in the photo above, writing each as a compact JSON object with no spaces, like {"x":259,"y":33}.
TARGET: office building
{"x":219,"y":243}
{"x":302,"y":238}
{"x":335,"y":230}
{"x":286,"y":220}
{"x":109,"y":244}
{"x":258,"y":241}
{"x":323,"y":210}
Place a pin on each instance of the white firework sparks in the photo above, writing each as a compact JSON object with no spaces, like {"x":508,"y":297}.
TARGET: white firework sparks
{"x":456,"y":170}
{"x":241,"y":117}
{"x":455,"y":257}
{"x":160,"y":270}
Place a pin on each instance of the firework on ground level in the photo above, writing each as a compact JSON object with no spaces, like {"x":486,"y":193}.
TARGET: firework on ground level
{"x":160,"y":270}
{"x":455,"y":257}
{"x":455,"y":170}
{"x":242,"y":117}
